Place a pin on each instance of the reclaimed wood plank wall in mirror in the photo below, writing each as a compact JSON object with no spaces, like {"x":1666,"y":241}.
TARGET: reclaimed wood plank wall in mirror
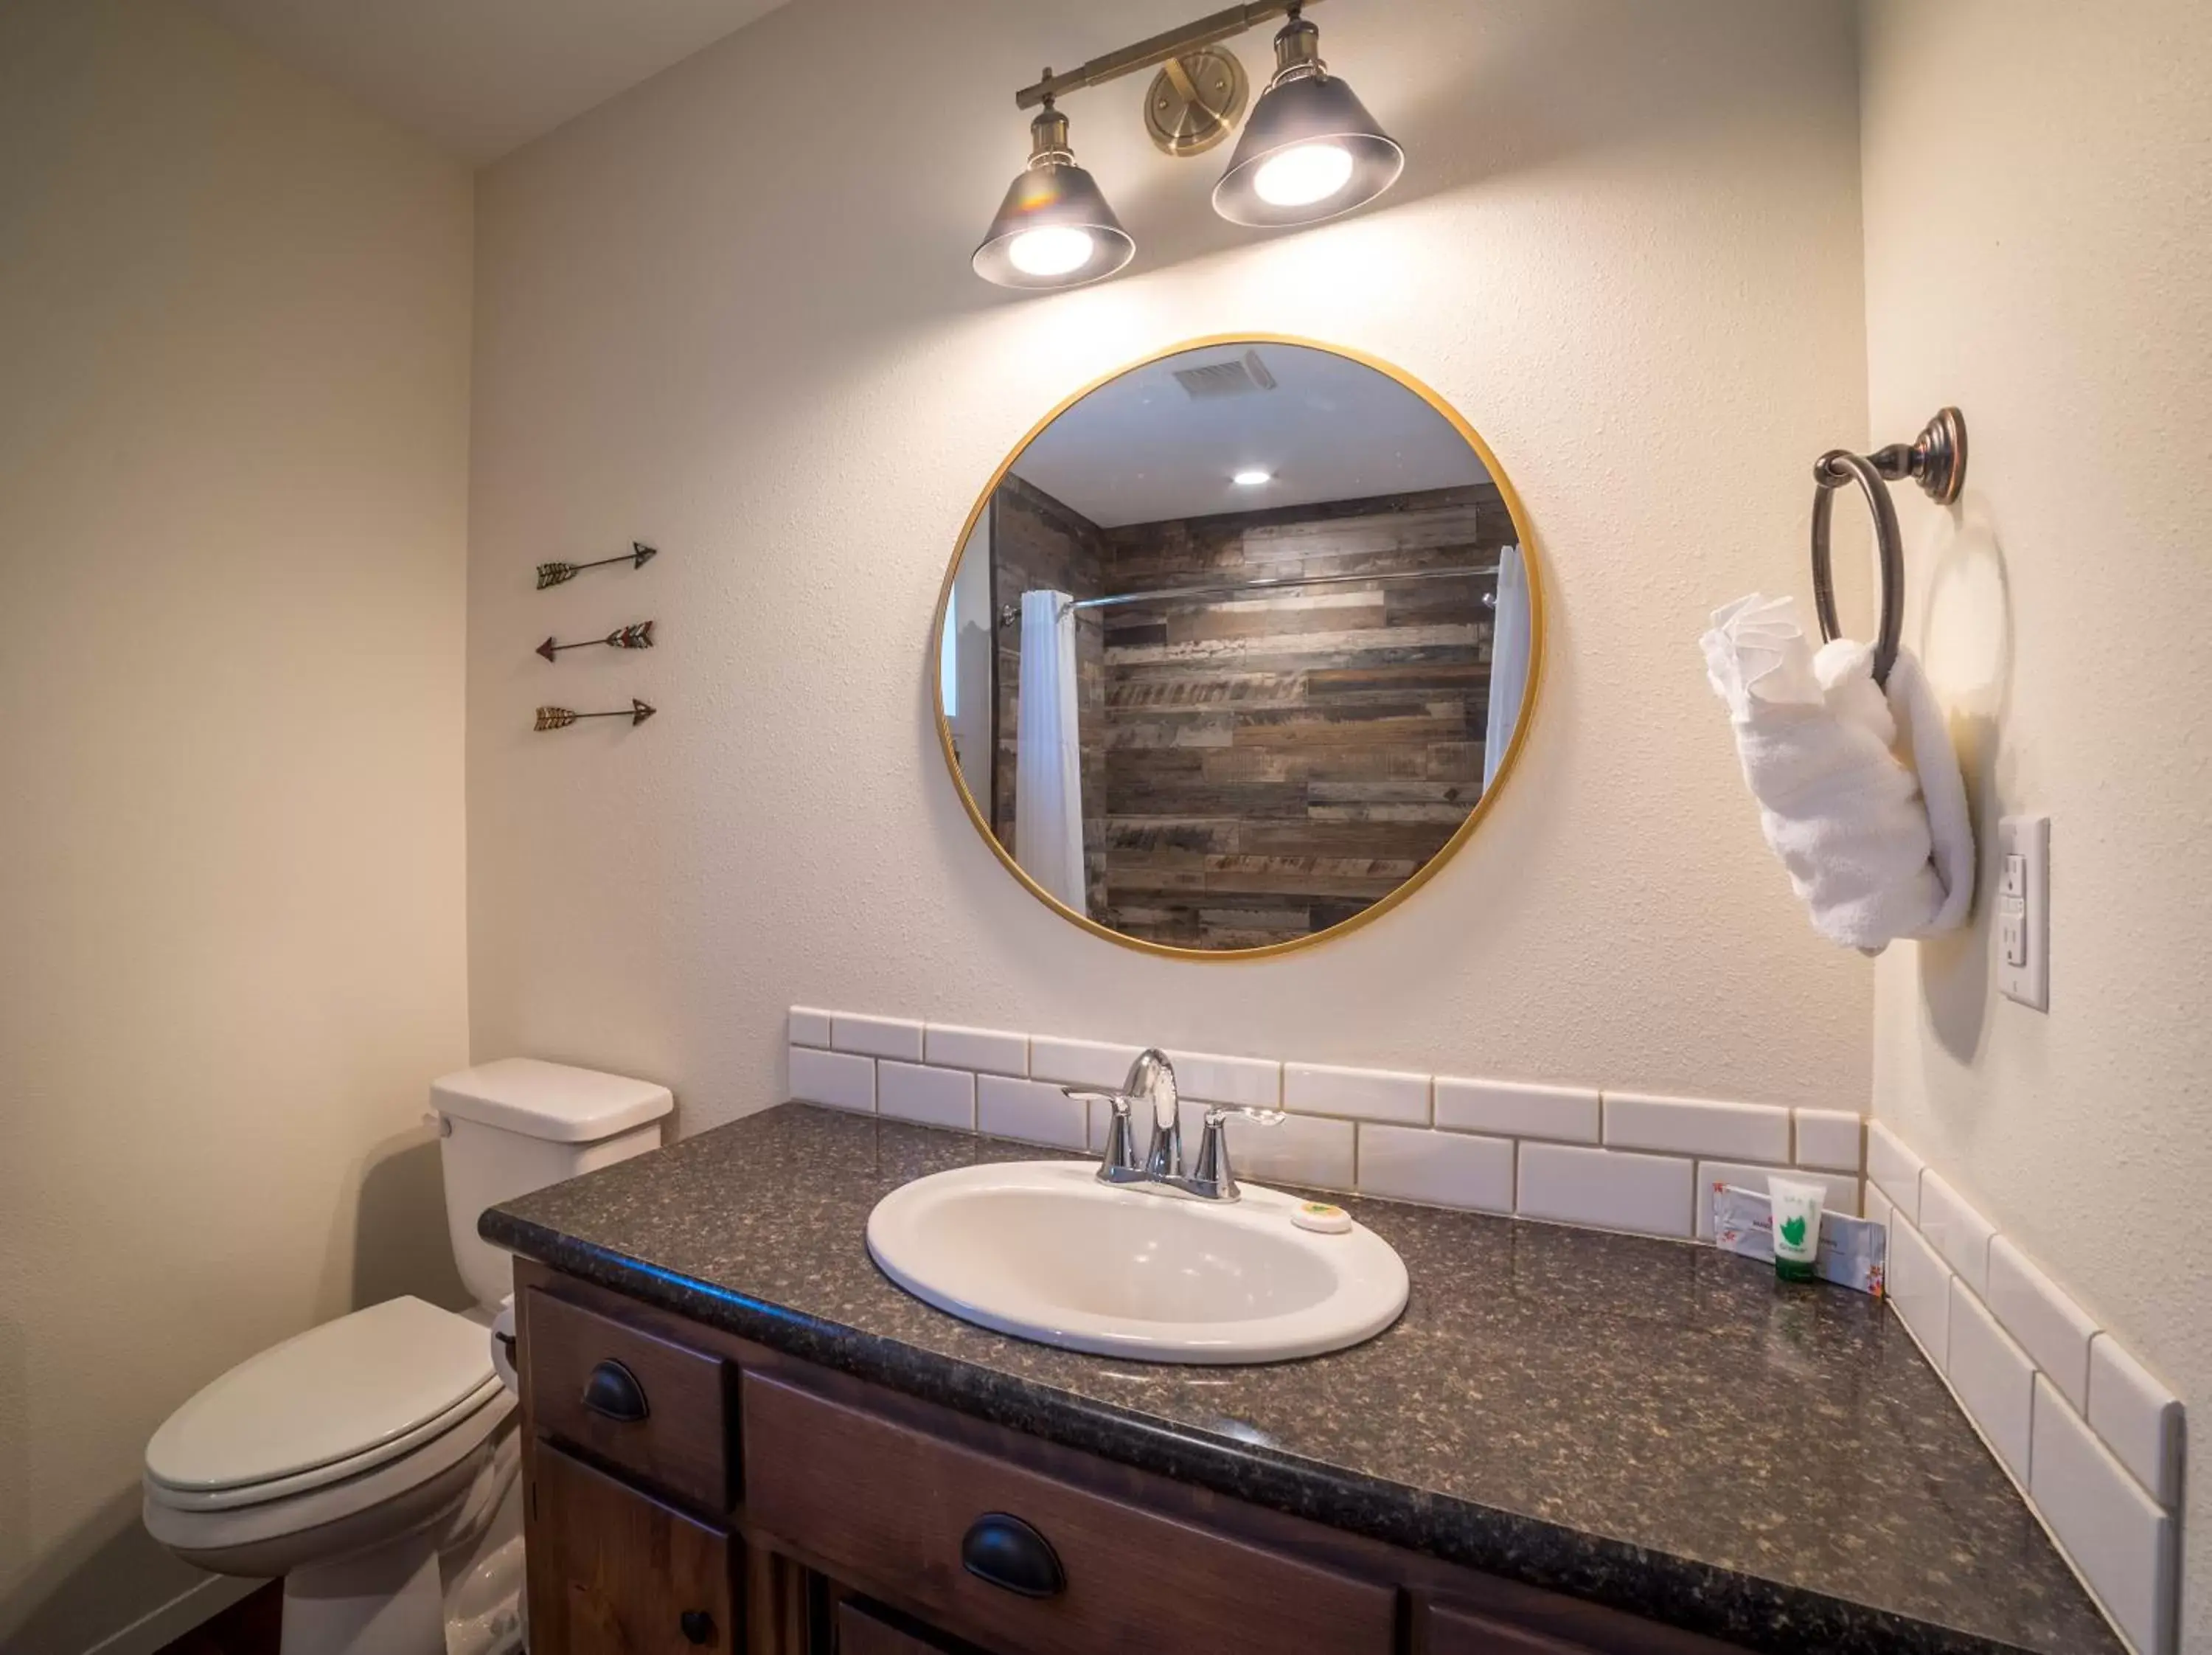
{"x":1236,"y":645}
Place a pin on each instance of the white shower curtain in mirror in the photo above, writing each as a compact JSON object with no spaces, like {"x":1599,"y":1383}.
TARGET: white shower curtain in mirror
{"x":1509,"y":660}
{"x":1048,"y":765}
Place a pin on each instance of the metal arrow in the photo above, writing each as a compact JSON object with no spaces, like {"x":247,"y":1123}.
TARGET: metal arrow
{"x":637,"y":637}
{"x":560,"y":718}
{"x":555,"y":574}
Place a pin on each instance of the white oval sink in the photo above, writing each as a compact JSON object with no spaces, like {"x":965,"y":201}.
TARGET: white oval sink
{"x":1043,"y":1250}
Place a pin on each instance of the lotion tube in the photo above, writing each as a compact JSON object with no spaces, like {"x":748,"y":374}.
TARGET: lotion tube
{"x":1797,"y":1227}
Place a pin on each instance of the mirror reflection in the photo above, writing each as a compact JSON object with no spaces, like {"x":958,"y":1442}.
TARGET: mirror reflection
{"x":1236,"y":645}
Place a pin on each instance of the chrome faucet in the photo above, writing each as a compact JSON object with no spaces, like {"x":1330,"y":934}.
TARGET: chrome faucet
{"x":1151,"y":1082}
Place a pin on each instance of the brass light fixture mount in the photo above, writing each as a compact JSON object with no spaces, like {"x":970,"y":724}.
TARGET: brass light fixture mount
{"x":1195,"y":101}
{"x":1308,"y":151}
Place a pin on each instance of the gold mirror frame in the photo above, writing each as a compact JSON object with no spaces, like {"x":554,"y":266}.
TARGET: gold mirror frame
{"x":1531,"y":696}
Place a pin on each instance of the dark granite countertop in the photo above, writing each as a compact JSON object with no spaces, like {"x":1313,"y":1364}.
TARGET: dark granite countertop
{"x":1654,"y":1425}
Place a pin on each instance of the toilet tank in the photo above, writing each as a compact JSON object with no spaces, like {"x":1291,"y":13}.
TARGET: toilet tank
{"x":520,"y":1124}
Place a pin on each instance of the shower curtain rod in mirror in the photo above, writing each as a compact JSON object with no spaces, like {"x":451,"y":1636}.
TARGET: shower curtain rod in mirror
{"x":1009,"y":613}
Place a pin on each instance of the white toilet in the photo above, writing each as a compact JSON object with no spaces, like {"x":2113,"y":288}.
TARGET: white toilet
{"x":372,"y":1462}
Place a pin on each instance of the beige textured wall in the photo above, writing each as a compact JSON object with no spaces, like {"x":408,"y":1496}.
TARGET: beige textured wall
{"x":2038,"y":211}
{"x":234,"y":316}
{"x":731,"y":313}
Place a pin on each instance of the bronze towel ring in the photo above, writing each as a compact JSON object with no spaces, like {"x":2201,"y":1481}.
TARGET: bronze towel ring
{"x":1937,"y":461}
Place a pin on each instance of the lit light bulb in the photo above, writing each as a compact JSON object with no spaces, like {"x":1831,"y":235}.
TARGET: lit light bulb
{"x":1251,"y":478}
{"x":1303,"y":174}
{"x":1052,"y":251}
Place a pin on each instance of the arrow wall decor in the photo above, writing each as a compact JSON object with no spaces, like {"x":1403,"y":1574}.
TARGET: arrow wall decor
{"x":560,"y":718}
{"x":639,"y":637}
{"x":555,"y":574}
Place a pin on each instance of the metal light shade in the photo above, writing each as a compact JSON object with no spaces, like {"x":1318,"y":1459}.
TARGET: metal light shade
{"x":1053,"y":195}
{"x":1306,"y":105}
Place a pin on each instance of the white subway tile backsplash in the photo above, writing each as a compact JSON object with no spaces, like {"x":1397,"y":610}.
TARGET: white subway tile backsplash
{"x":1297,"y":1149}
{"x":1877,"y":1205}
{"x":1443,"y":1169}
{"x":1919,"y":1284}
{"x":836,"y":1078}
{"x":1611,"y":1188}
{"x":2052,"y":1328}
{"x":1834,"y":1139}
{"x":1205,"y":1078}
{"x":1993,"y":1377}
{"x":1569,"y":1114}
{"x":2122,"y":1540}
{"x":907,"y":1092}
{"x":1895,"y":1168}
{"x":1080,"y":1062}
{"x":1364,"y":1094}
{"x":1842,"y":1192}
{"x":876,"y":1037}
{"x":809,"y":1027}
{"x":1955,"y":1230}
{"x":1696,"y":1126}
{"x":2139,"y":1419}
{"x":988,"y":1051}
{"x":1029,"y":1111}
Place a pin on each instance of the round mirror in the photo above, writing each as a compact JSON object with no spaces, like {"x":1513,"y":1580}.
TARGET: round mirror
{"x":1236,"y":645}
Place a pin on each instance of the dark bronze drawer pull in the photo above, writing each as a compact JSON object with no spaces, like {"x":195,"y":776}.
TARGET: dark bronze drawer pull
{"x":613,"y":1391}
{"x":1008,"y":1553}
{"x":697,"y":1625}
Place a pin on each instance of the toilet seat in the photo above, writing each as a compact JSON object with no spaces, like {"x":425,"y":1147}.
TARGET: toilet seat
{"x":332,"y":1404}
{"x":400,"y":1493}
{"x":323,"y":1477}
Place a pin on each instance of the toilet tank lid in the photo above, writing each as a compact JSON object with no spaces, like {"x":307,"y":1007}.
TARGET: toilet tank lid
{"x":549,"y":1101}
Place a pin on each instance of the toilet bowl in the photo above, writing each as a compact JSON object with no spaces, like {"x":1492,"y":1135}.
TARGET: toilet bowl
{"x":373,"y":1462}
{"x":368,"y":1462}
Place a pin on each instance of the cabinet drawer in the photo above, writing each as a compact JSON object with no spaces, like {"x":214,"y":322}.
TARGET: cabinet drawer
{"x":637,"y":1402}
{"x":614,"y":1572}
{"x":891,"y":1509}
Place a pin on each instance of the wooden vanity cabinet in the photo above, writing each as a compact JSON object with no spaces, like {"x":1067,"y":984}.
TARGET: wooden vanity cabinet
{"x":615,"y":1571}
{"x":687,"y":1490}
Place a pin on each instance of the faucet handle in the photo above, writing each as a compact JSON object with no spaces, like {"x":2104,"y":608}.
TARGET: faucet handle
{"x":1211,"y":1177}
{"x":1217,"y":1113}
{"x":1120,"y":1158}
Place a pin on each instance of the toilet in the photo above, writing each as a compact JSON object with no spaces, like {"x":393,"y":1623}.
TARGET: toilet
{"x":373,"y":1462}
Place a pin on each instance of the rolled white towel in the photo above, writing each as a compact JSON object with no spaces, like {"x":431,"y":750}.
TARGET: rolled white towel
{"x":1876,"y":848}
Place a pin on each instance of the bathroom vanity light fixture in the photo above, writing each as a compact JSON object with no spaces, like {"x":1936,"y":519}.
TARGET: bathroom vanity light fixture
{"x":1310,"y":151}
{"x":1055,"y":228}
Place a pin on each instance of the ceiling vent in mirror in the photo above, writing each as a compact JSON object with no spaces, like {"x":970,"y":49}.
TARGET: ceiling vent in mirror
{"x":1240,"y":376}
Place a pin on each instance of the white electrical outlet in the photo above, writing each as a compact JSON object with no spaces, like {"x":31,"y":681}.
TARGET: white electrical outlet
{"x":2021,"y":935}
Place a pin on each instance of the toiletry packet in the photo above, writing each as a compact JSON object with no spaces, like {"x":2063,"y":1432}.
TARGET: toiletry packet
{"x":1854,"y":1251}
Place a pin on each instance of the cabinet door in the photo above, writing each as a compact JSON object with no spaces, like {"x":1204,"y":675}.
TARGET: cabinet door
{"x":613,"y":1572}
{"x":1455,"y":1632}
{"x":862,"y":1631}
{"x":1449,"y":1630}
